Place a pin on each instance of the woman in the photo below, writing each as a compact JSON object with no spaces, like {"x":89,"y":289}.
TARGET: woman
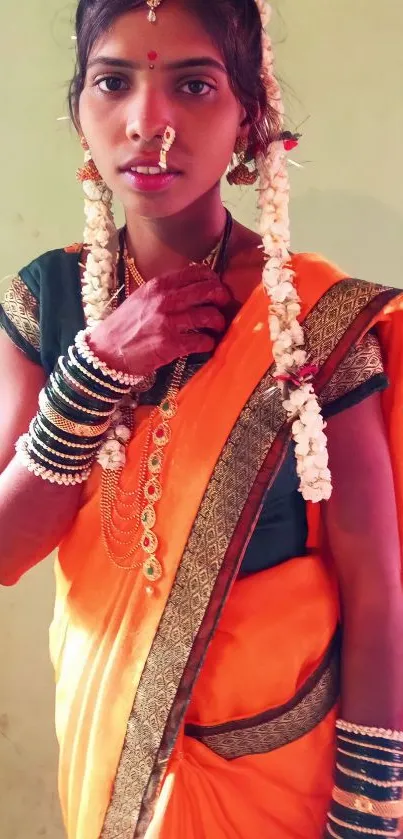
{"x":180,"y":455}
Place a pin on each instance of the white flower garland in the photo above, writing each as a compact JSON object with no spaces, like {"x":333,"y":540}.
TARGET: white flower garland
{"x":301,"y":403}
{"x":100,"y":235}
{"x":287,"y":335}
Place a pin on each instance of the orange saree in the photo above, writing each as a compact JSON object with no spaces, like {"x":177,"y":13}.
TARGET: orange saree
{"x":207,"y":711}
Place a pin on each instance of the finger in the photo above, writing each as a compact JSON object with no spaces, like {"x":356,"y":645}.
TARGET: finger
{"x":198,"y":294}
{"x":199,"y":318}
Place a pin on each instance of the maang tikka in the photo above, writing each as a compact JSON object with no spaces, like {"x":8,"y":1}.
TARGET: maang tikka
{"x":153,"y":5}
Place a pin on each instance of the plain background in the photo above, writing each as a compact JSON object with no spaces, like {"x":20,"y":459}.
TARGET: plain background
{"x":341,"y":64}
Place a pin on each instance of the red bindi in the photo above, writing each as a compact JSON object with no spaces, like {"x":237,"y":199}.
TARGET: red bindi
{"x":152,"y":56}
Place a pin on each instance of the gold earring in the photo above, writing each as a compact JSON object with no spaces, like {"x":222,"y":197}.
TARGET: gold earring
{"x":89,"y":172}
{"x":240,"y":175}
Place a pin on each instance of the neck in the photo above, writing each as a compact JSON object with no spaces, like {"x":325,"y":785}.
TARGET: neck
{"x":170,"y":244}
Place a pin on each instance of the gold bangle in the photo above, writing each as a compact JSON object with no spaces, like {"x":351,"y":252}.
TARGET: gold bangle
{"x":389,"y":749}
{"x":368,"y":731}
{"x":75,"y":405}
{"x":374,"y":781}
{"x":371,"y":759}
{"x":65,"y":466}
{"x":368,"y":806}
{"x":367,"y":830}
{"x":60,"y":439}
{"x":69,"y":426}
{"x":96,"y":379}
{"x":81,"y":387}
{"x":38,"y":441}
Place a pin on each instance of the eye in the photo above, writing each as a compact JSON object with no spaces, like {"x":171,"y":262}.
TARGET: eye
{"x":111,"y":84}
{"x":197,"y":87}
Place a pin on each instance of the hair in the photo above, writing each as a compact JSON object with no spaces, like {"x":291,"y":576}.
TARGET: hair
{"x":235,"y":27}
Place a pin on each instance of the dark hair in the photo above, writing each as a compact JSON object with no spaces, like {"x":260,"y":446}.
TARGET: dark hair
{"x":236,"y":29}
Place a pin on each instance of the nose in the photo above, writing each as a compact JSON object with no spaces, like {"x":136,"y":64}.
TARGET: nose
{"x":148,"y":115}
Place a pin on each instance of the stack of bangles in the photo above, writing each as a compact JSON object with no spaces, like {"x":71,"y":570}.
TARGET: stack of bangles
{"x":367,"y":797}
{"x":75,"y":410}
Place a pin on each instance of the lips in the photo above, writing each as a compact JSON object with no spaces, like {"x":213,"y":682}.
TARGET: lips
{"x":143,"y":166}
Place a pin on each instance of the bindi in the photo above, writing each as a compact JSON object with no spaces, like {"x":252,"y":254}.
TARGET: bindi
{"x":152,"y":56}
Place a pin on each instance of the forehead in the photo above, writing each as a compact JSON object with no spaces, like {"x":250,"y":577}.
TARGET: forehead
{"x":177,"y":33}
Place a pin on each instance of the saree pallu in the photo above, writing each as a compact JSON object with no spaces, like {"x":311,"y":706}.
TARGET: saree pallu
{"x":207,"y":711}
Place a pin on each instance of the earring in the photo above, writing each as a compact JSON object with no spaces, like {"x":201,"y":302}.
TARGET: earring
{"x":89,"y":172}
{"x":240,"y":175}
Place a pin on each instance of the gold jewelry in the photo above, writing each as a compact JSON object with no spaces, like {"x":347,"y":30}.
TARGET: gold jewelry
{"x":153,"y":5}
{"x":167,"y":143}
{"x":140,"y":504}
{"x":371,"y":759}
{"x":60,"y":439}
{"x":81,"y":387}
{"x":368,"y":731}
{"x":69,"y":426}
{"x":362,"y":745}
{"x":373,"y":781}
{"x":239,"y":174}
{"x":75,"y":405}
{"x":38,"y":441}
{"x":367,"y":830}
{"x":368,"y":806}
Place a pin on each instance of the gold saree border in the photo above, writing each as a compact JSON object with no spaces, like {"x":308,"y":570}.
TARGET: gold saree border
{"x":279,"y":726}
{"x":22,"y":309}
{"x":228,"y":512}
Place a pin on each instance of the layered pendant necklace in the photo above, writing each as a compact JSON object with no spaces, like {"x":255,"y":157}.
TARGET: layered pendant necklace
{"x":128,"y":518}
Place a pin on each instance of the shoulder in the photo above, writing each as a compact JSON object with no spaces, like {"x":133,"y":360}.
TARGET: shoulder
{"x":59,"y":266}
{"x":324,"y":286}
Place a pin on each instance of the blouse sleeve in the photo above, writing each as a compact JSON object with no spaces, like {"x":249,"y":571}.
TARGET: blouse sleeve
{"x":19,"y":317}
{"x":360,"y":375}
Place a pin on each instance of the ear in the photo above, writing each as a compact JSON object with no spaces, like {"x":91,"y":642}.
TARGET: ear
{"x":244,"y":125}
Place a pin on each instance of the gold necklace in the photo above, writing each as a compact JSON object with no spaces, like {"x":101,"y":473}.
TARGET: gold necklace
{"x":139,"y":507}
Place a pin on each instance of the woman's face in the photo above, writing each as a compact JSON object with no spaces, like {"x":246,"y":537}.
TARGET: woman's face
{"x":126,"y":106}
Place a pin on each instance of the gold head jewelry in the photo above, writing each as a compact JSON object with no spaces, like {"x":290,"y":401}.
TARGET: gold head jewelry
{"x":153,"y":5}
{"x":167,"y":143}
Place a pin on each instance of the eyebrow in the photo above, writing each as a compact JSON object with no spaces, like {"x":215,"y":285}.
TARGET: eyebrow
{"x":183,"y":64}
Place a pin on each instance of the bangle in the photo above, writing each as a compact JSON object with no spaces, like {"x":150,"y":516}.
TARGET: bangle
{"x":32,"y":450}
{"x":75,"y":428}
{"x":360,"y":744}
{"x":360,"y":757}
{"x":368,"y":731}
{"x":49,"y":434}
{"x":41,"y":471}
{"x":85,"y":352}
{"x":81,"y":387}
{"x":66,"y":411}
{"x":74,"y":457}
{"x":91,"y":411}
{"x":368,"y":806}
{"x":93,"y":401}
{"x":332,"y":833}
{"x":90,"y":377}
{"x":368,"y":780}
{"x":368,"y":831}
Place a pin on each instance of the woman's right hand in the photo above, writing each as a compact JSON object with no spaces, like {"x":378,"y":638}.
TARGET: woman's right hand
{"x":174,"y":315}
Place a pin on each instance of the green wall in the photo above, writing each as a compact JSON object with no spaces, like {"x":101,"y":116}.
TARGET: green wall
{"x":342,"y":64}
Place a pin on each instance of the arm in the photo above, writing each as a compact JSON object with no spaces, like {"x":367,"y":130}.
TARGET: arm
{"x":34,"y":514}
{"x":363,"y":540}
